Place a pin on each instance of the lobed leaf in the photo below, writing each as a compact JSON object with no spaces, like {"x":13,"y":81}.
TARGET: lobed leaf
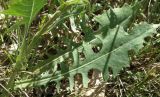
{"x":112,"y":54}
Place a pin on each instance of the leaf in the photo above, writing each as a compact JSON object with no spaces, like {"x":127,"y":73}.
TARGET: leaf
{"x":27,"y":9}
{"x":123,"y":42}
{"x":112,"y":55}
{"x":45,"y":65}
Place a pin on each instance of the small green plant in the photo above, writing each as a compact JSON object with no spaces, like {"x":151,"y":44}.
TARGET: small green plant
{"x":105,"y":49}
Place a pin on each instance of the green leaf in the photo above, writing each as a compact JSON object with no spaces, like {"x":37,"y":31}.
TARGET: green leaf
{"x":116,"y":45}
{"x":27,"y":9}
{"x":111,"y":55}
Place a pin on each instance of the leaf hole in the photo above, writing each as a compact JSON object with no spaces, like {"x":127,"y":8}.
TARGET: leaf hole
{"x":90,"y":73}
{"x":58,"y":67}
{"x":64,"y":84}
{"x":95,"y":25}
{"x":78,"y":79}
{"x":82,"y":56}
{"x":94,"y":75}
{"x":96,"y":49}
